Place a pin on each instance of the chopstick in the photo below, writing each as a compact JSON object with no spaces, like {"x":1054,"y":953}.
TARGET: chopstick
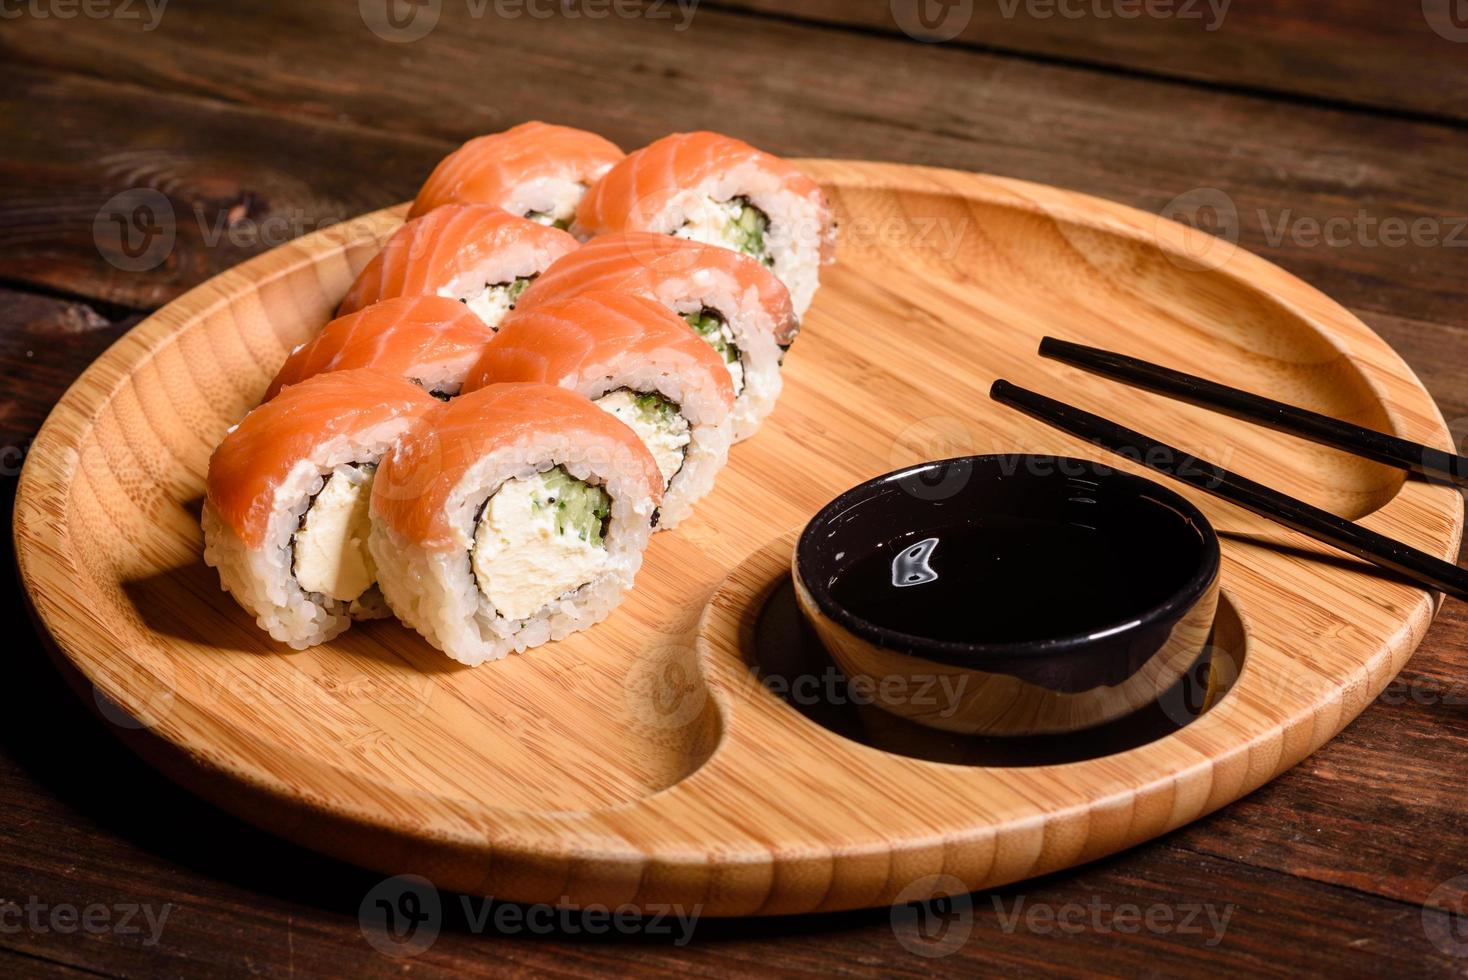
{"x":1352,"y":538}
{"x":1378,"y":446}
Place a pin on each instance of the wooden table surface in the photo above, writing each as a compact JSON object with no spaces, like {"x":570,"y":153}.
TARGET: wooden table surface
{"x":1329,"y":137}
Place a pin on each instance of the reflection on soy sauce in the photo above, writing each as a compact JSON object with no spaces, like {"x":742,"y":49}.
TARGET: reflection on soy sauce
{"x":789,"y":659}
{"x":913,"y":567}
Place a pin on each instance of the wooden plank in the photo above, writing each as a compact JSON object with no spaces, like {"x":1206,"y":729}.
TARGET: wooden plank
{"x":17,"y":964}
{"x":46,"y":777}
{"x":1353,"y":51}
{"x":1284,"y":170}
{"x":45,"y":342}
{"x":122,"y":214}
{"x":1437,"y":354}
{"x":178,"y":104}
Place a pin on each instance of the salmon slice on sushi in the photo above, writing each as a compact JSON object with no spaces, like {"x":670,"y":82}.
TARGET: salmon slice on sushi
{"x":431,"y":341}
{"x":286,"y":510}
{"x":730,"y":300}
{"x":474,"y":253}
{"x":638,"y":362}
{"x":721,"y":191}
{"x":513,"y":515}
{"x":535,"y":170}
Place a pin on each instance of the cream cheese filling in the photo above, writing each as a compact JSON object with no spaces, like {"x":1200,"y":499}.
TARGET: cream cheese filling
{"x":658,"y":423}
{"x":525,"y":554}
{"x":331,"y":556}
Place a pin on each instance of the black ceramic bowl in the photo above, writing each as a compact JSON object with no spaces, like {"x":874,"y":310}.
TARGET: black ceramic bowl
{"x":1010,"y":595}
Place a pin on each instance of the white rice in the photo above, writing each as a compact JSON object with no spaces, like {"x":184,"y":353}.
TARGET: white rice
{"x":262,"y":580}
{"x":435,"y":591}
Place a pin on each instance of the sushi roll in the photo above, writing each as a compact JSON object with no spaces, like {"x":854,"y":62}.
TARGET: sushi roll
{"x":718,"y":190}
{"x":286,"y":509}
{"x":638,"y":362}
{"x":534,"y":170}
{"x":510,"y":516}
{"x":431,"y":341}
{"x":730,"y":300}
{"x":474,"y":253}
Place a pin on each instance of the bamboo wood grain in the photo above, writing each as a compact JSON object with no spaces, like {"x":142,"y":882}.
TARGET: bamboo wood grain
{"x":638,"y":761}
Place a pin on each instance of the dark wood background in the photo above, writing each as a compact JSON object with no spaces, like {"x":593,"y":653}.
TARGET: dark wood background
{"x":259,"y":121}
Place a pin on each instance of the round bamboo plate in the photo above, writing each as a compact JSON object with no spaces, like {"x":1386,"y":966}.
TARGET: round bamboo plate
{"x":640,"y":762}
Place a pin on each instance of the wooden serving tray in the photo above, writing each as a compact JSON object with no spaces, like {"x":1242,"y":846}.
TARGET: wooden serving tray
{"x":640,"y":761}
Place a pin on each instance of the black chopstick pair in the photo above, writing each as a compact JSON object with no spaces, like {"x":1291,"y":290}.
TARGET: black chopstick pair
{"x":1322,"y":525}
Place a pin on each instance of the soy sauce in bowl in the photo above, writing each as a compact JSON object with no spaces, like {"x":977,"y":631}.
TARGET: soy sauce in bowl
{"x":1006,"y":578}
